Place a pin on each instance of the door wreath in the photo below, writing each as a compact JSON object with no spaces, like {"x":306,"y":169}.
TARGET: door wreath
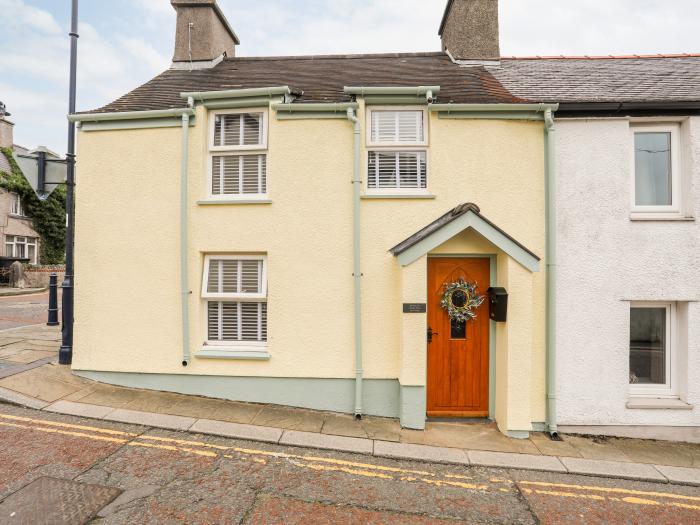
{"x":460,"y":299}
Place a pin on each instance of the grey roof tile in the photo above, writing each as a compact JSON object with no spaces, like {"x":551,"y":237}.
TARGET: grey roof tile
{"x":670,"y":78}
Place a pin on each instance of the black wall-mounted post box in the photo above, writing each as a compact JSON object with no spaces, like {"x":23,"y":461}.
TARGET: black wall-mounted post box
{"x":498,"y":304}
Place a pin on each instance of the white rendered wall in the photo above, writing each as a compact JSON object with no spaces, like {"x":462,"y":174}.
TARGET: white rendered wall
{"x":605,"y":260}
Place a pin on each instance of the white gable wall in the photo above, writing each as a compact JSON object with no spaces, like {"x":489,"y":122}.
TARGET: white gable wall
{"x":604,"y":261}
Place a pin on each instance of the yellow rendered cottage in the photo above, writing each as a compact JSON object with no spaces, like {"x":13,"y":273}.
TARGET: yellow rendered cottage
{"x":363,"y":234}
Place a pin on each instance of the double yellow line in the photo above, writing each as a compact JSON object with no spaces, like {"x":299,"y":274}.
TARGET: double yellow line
{"x":368,"y":470}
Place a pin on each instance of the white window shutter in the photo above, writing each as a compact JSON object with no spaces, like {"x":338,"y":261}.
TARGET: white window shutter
{"x":396,"y":170}
{"x":238,"y":129}
{"x":397,"y":127}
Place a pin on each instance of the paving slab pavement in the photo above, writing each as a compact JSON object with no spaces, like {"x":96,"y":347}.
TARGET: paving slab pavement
{"x":42,"y":384}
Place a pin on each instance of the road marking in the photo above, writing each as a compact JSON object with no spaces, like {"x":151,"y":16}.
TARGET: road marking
{"x":174,"y":449}
{"x":68,"y":425}
{"x":560,"y":494}
{"x":616,"y":490}
{"x":64,"y":432}
{"x":365,"y":473}
{"x":317,"y":463}
{"x":460,"y":484}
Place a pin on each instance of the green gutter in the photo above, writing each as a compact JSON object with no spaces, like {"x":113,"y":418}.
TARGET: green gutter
{"x":449,"y":108}
{"x":184,"y":265}
{"x":551,"y":254}
{"x":201,"y":96}
{"x":356,"y":265}
{"x":130,"y":115}
{"x":394,"y":94}
{"x":340,"y":107}
{"x":230,"y":103}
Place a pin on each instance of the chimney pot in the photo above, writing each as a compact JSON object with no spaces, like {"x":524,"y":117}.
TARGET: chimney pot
{"x":469,"y":29}
{"x":202,"y":33}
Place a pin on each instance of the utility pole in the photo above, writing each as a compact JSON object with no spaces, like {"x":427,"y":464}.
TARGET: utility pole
{"x":65,"y":354}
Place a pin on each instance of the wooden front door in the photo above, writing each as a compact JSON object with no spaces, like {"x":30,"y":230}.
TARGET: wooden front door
{"x":458,"y":355}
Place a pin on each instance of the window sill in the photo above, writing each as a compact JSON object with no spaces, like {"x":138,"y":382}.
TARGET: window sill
{"x":657,"y":403}
{"x":233,"y":353}
{"x":377,"y":196}
{"x":228,"y":202}
{"x":650,"y":216}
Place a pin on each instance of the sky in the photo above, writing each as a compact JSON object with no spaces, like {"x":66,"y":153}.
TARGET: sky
{"x":124,"y":43}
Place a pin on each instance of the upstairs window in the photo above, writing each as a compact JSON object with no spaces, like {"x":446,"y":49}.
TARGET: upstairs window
{"x":238,"y":155}
{"x":16,"y":205}
{"x":656,"y":181}
{"x":397,"y":151}
{"x":235,"y":290}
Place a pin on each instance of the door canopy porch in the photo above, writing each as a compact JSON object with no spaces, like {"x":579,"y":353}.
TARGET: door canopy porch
{"x":455,"y":221}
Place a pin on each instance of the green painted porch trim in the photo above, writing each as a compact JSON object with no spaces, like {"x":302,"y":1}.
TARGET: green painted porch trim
{"x":492,"y":345}
{"x":172,"y":122}
{"x":469,"y":220}
{"x":397,"y":196}
{"x":412,"y":400}
{"x":505,"y":115}
{"x":380,"y":396}
{"x":233,"y":202}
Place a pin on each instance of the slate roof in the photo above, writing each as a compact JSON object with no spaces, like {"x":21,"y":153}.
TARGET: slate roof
{"x":321,"y":79}
{"x":4,"y":164}
{"x":648,"y":79}
{"x":443,"y":221}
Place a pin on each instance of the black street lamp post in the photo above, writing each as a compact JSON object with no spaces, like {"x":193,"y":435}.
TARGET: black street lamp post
{"x":65,"y":354}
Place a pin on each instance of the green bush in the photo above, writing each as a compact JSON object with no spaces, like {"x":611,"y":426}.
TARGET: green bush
{"x":49,"y":216}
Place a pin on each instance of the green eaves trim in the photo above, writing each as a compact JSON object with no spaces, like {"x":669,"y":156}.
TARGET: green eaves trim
{"x":451,"y":108}
{"x":134,"y":124}
{"x":130,"y":115}
{"x":491,"y":115}
{"x":340,"y":107}
{"x":488,"y":231}
{"x":391,"y":90}
{"x":201,"y":96}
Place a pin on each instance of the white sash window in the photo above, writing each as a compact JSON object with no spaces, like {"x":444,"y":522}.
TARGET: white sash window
{"x":235,"y":290}
{"x":397,"y":151}
{"x":238,"y":155}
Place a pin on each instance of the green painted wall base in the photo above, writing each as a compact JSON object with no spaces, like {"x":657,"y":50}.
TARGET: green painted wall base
{"x":380,"y":396}
{"x":412,"y":407}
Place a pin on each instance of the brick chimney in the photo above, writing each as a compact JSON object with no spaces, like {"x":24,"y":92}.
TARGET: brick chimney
{"x":6,"y":140}
{"x":469,"y":29}
{"x":202,"y":35}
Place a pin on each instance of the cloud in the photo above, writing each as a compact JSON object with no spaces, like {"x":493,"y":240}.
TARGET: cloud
{"x":28,"y":15}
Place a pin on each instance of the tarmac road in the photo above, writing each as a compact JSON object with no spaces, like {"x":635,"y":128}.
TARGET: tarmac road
{"x":22,"y":310}
{"x":161,"y":476}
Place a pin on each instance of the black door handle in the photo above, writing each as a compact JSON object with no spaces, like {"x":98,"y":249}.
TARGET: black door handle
{"x":431,"y":334}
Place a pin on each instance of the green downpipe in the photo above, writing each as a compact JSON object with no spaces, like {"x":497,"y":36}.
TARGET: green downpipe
{"x":356,"y":266}
{"x":184,"y":265}
{"x":551,"y":253}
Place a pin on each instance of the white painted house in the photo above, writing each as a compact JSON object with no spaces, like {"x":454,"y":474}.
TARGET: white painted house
{"x":628,"y":240}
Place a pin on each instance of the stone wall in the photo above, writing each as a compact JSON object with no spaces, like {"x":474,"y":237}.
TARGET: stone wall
{"x":38,"y":276}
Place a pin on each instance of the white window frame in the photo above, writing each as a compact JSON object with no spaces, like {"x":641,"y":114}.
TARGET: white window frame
{"x":237,"y":151}
{"x":234,"y":346}
{"x":675,"y":208}
{"x":16,"y":205}
{"x":248,"y":147}
{"x":670,"y":387}
{"x":28,"y":241}
{"x":394,"y":147}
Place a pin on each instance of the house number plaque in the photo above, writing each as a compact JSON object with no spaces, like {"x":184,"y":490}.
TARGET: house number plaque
{"x":414,"y":308}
